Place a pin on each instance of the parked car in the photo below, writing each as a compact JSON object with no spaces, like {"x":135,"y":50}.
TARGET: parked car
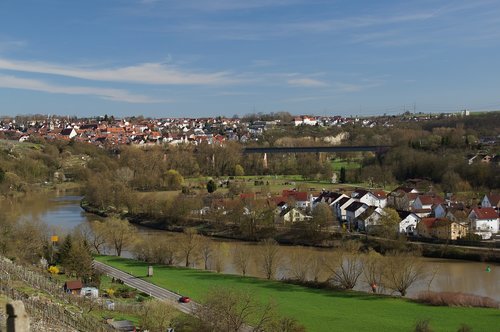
{"x":184,"y":299}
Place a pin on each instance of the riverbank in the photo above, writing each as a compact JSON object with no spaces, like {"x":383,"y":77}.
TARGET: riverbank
{"x":317,"y":309}
{"x":331,"y":239}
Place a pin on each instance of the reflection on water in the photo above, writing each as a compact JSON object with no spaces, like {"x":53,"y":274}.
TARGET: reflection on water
{"x":63,"y":213}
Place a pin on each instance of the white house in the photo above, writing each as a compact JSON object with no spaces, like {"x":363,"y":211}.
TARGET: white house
{"x":353,"y":211}
{"x":340,"y":207}
{"x":484,"y":222}
{"x":291,"y":215}
{"x":369,"y":198}
{"x":408,"y":223}
{"x":370,"y":218}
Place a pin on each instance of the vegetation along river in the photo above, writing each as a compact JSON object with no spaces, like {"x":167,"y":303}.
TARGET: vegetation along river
{"x":62,"y":212}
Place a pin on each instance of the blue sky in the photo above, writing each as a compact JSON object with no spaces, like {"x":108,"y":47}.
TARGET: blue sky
{"x":172,"y":58}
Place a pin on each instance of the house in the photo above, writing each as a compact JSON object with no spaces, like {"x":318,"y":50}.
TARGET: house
{"x":484,"y":221}
{"x":353,"y":211}
{"x":370,"y":218}
{"x":73,"y":286}
{"x":491,"y":200}
{"x":68,"y":132}
{"x":441,"y":228}
{"x":340,"y":207}
{"x":438,"y":210}
{"x":300,"y":198}
{"x":401,"y":198}
{"x":408,"y":223}
{"x":291,"y":215}
{"x":422,"y":205}
{"x":370,"y":198}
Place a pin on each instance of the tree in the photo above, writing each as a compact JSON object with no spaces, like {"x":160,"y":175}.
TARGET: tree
{"x":78,"y":261}
{"x":269,"y":256}
{"x":299,"y":266}
{"x":173,"y":180}
{"x":342,"y":177}
{"x":189,"y":242}
{"x":119,"y":233}
{"x":238,"y":170}
{"x":211,"y":186}
{"x":373,"y":270}
{"x":230,"y":310}
{"x":322,"y":215}
{"x":156,"y":315}
{"x":65,"y":248}
{"x":2,"y":175}
{"x":92,"y":235}
{"x":241,"y":258}
{"x":206,"y":250}
{"x":346,"y":267}
{"x":389,"y":223}
{"x":401,"y":271}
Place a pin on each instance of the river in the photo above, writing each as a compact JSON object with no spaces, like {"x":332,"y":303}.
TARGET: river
{"x":62,"y":212}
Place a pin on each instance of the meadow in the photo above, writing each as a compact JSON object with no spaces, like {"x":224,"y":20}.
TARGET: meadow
{"x":318,"y":310}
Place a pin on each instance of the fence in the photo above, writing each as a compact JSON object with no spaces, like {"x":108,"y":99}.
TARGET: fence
{"x":68,"y":310}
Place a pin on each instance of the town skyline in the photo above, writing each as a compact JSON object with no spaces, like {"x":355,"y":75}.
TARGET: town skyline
{"x":160,"y":58}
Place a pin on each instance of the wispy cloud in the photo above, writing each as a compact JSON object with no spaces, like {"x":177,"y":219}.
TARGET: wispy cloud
{"x":13,"y":82}
{"x":145,"y":73}
{"x":306,"y":82}
{"x":9,"y":45}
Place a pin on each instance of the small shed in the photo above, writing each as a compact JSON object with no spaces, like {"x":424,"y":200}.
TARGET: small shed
{"x":73,"y":286}
{"x":90,"y":292}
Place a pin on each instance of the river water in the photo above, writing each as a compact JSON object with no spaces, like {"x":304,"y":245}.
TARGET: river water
{"x":62,"y":212}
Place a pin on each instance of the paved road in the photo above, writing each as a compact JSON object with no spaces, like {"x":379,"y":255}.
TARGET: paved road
{"x":147,"y":287}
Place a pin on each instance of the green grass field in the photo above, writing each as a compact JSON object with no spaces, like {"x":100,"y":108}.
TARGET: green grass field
{"x":319,"y":310}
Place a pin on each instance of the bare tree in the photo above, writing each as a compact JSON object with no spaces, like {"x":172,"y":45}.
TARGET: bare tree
{"x":299,"y":266}
{"x":92,"y":234}
{"x":219,"y":257}
{"x":189,"y":243}
{"x":373,"y":270}
{"x":206,"y":250}
{"x":316,"y":267}
{"x":346,"y":267}
{"x":229,"y":310}
{"x":269,"y":256}
{"x":119,"y":233}
{"x":402,"y":270}
{"x":241,"y":258}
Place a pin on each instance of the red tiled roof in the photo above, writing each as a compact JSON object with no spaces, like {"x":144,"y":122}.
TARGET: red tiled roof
{"x":380,"y":194}
{"x":485,"y":213}
{"x":297,"y":195}
{"x":428,"y":222}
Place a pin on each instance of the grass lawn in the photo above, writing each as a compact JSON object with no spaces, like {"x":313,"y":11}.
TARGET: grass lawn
{"x":337,"y":164}
{"x":318,"y":310}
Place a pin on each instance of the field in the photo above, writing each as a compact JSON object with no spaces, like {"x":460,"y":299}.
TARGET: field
{"x":318,"y":310}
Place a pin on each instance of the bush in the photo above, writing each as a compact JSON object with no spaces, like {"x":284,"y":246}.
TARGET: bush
{"x":456,"y":299}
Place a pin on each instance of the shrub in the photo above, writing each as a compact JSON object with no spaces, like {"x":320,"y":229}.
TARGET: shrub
{"x":456,"y":299}
{"x":53,"y":269}
{"x":423,"y":326}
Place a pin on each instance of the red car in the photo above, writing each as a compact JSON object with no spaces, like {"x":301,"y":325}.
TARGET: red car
{"x":184,"y":299}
